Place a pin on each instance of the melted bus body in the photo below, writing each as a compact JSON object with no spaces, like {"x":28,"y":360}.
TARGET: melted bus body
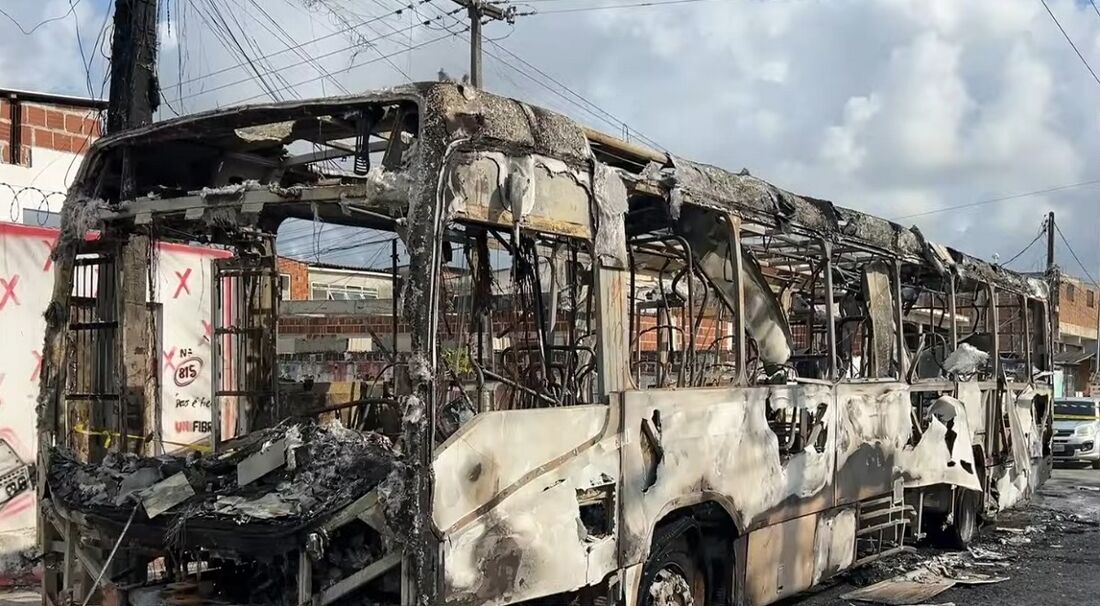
{"x":603,"y":374}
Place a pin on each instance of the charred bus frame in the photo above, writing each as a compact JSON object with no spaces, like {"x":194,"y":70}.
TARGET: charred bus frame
{"x":610,"y":370}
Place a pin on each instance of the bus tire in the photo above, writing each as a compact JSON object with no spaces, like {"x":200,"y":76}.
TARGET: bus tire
{"x":673,"y":574}
{"x":965,"y":524}
{"x":957,"y":531}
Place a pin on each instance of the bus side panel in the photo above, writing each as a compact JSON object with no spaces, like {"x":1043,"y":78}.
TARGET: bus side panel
{"x":1021,"y":473}
{"x":693,"y":445}
{"x":772,"y":573}
{"x":874,"y":424}
{"x":525,"y":502}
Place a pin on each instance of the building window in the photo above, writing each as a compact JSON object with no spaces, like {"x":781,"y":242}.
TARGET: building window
{"x":1070,"y":292}
{"x":342,"y":292}
{"x":1090,"y":298}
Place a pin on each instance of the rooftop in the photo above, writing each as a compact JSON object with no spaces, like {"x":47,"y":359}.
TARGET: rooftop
{"x":51,"y":98}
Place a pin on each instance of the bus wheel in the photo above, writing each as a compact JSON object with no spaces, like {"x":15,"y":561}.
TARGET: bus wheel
{"x":967,"y":504}
{"x":673,"y":576}
{"x":957,"y":531}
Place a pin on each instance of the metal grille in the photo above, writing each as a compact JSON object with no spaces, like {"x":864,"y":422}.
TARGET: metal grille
{"x":91,"y":361}
{"x":243,"y":309}
{"x":93,"y":331}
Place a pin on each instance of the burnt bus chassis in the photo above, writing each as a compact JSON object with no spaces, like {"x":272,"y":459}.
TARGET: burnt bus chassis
{"x":127,"y":189}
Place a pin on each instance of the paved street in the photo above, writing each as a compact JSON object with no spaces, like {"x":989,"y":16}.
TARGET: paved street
{"x":1051,"y":549}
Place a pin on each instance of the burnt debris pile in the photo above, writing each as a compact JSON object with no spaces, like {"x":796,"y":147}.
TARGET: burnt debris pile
{"x":289,"y":474}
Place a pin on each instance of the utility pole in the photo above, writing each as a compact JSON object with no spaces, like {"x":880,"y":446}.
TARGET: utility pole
{"x":135,"y":95}
{"x":134,"y":90}
{"x":1050,"y":241}
{"x":476,"y":10}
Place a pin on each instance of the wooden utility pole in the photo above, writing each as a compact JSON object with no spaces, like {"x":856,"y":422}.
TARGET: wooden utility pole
{"x":135,"y":95}
{"x":476,"y":10}
{"x":1050,"y":241}
{"x":134,"y":90}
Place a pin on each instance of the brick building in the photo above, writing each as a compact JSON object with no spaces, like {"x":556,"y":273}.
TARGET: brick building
{"x":1075,"y":344}
{"x":43,"y":138}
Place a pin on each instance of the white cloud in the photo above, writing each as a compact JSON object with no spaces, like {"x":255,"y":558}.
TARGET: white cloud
{"x":893,"y":106}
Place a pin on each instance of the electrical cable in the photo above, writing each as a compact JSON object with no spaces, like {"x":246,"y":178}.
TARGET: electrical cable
{"x":1042,"y":231}
{"x":315,"y":57}
{"x":364,"y":42}
{"x":592,"y":109}
{"x":351,"y":67}
{"x":1000,"y":199}
{"x":1070,"y":40}
{"x":26,"y":32}
{"x":1074,"y":255}
{"x":586,"y":9}
{"x":300,"y":45}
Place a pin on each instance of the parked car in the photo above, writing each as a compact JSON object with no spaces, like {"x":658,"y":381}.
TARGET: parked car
{"x":1077,"y":431}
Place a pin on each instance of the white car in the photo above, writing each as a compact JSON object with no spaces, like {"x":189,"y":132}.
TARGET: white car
{"x":1077,"y":431}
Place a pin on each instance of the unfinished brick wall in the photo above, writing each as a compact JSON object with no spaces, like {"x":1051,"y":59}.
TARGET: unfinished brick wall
{"x":1077,"y":306}
{"x":299,"y":277}
{"x":60,"y":128}
{"x":320,"y":326}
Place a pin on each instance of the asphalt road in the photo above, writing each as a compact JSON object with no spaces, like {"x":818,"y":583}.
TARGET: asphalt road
{"x":1048,"y":549}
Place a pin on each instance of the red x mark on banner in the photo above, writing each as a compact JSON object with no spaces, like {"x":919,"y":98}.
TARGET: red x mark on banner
{"x":50,"y":244}
{"x":37,"y":365}
{"x":183,"y":277}
{"x":207,"y":330}
{"x":9,"y":290}
{"x":169,"y":357}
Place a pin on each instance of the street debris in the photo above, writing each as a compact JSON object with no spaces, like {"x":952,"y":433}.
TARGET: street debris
{"x":932,"y":577}
{"x":911,"y":588}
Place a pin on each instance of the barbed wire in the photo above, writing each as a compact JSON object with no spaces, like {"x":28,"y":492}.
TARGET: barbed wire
{"x":29,"y":196}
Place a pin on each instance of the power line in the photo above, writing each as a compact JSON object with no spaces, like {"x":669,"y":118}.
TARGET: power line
{"x":606,"y":116}
{"x":1074,"y":254}
{"x":351,"y":67}
{"x":347,"y":22}
{"x":287,"y":86}
{"x":1070,"y":40}
{"x":1042,"y":232}
{"x":585,"y":9}
{"x":338,"y":32}
{"x":1000,"y":199}
{"x":27,"y":32}
{"x":1094,"y":7}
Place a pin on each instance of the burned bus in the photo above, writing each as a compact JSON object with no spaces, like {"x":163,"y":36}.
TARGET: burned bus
{"x":605,"y":374}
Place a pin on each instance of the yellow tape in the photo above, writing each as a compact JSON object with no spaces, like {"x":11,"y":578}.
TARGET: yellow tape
{"x":1058,"y":417}
{"x":82,"y":429}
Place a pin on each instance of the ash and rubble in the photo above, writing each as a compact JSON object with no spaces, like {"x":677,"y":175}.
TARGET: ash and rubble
{"x":320,"y":469}
{"x":1004,"y":557}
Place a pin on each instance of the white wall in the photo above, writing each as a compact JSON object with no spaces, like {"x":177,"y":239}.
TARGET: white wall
{"x":50,"y":171}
